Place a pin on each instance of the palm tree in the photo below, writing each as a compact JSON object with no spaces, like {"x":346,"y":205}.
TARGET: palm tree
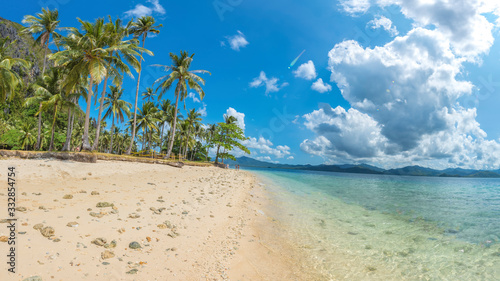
{"x":116,"y":108}
{"x":146,"y":120}
{"x":193,"y":119}
{"x":56,"y":102}
{"x":41,"y":94}
{"x":118,"y":48}
{"x":84,"y":56}
{"x":149,"y":94}
{"x":27,"y":137}
{"x":179,"y":71}
{"x":44,"y":23}
{"x":9,"y":79}
{"x":141,"y":28}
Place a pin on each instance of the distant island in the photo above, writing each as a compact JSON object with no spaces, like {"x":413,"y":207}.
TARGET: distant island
{"x":369,"y":169}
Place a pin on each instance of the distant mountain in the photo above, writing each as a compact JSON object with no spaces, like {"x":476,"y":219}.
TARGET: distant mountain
{"x":369,"y":169}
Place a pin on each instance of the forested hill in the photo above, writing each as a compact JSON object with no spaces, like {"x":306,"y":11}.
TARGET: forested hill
{"x":24,"y":47}
{"x":368,"y":169}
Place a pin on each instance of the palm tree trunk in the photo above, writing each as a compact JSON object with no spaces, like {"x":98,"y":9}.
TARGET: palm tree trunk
{"x":86,"y":145}
{"x":186,"y":147}
{"x":96,"y":140}
{"x":51,"y":146}
{"x":217,"y":155}
{"x":112,"y":134}
{"x":161,"y":136}
{"x":68,"y":132}
{"x":45,"y":57}
{"x":136,"y":98}
{"x":39,"y":127}
{"x":172,"y":129}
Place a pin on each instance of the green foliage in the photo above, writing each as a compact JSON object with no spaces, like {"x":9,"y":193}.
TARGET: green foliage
{"x":228,"y":137}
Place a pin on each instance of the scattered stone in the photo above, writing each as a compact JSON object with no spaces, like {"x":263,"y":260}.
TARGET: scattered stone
{"x":132,"y":271}
{"x":162,"y":226}
{"x":42,"y":208}
{"x":185,"y":213}
{"x":82,"y":191}
{"x":134,"y":245}
{"x":47,"y":231}
{"x":134,"y":216}
{"x":110,"y":245}
{"x":24,"y":193}
{"x":37,"y":194}
{"x":94,"y":193}
{"x":4,"y":238}
{"x":38,"y":226}
{"x":72,"y":224}
{"x":104,"y":204}
{"x":371,"y":268}
{"x":148,"y":238}
{"x":99,"y":241}
{"x":105,"y":263}
{"x":173,"y":249}
{"x":68,"y":196}
{"x":107,"y":254}
{"x":56,"y":240}
{"x":97,"y":215}
{"x":21,"y":209}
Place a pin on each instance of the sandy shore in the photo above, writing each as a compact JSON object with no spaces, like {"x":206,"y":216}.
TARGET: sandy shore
{"x":190,"y":224}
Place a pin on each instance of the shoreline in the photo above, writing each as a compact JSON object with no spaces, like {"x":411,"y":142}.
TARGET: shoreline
{"x":195,"y":223}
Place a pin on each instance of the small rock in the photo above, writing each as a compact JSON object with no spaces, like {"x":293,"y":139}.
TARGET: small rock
{"x":105,"y":263}
{"x":42,"y":208}
{"x":110,"y":245}
{"x":148,"y":238}
{"x":162,"y":226}
{"x":68,"y":196}
{"x":47,"y":231}
{"x":173,"y":249}
{"x":4,"y":239}
{"x":99,"y":241}
{"x":24,"y":193}
{"x":21,"y":209}
{"x":134,"y":216}
{"x":94,"y":193}
{"x":104,"y":204}
{"x":132,"y":271}
{"x":97,"y":215}
{"x":56,"y":240}
{"x":134,"y":245}
{"x":38,"y":226}
{"x":107,"y":254}
{"x":72,"y":224}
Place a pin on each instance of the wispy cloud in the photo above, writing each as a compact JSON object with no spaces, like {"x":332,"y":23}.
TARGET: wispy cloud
{"x":192,"y":96}
{"x":141,"y":10}
{"x":271,"y":84}
{"x":385,"y":23}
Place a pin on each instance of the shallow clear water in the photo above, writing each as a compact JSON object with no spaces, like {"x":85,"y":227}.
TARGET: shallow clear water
{"x":372,"y":227}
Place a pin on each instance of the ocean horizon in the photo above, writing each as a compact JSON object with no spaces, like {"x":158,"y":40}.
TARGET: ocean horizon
{"x":384,"y":227}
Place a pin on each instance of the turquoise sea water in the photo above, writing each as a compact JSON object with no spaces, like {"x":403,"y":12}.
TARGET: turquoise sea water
{"x":372,"y":227}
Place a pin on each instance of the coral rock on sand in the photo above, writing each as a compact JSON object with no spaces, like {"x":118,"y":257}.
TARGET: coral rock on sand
{"x":134,"y":216}
{"x":4,"y":238}
{"x":47,"y":231}
{"x":21,"y":209}
{"x":99,"y":241}
{"x":132,"y":271}
{"x":107,"y":254}
{"x":104,"y":204}
{"x":97,"y":215}
{"x":134,"y":245}
{"x":94,"y":193}
{"x":110,"y":245}
{"x":68,"y":196}
{"x":72,"y":224}
{"x":38,"y":226}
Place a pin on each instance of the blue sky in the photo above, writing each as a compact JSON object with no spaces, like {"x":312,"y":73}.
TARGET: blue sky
{"x":385,"y":82}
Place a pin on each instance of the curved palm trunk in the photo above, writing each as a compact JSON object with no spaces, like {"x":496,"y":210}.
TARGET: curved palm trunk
{"x":96,"y":140}
{"x":45,"y":56}
{"x":172,"y":129}
{"x":68,"y":132}
{"x":186,"y":147}
{"x":51,"y":146}
{"x":112,"y":135}
{"x":39,"y":127}
{"x":85,"y":139}
{"x":135,"y":106}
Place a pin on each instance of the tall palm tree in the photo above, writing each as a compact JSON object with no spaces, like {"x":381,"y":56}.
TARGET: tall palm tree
{"x":147,"y":119}
{"x":149,"y":94}
{"x":193,"y":119}
{"x":141,"y":28}
{"x":84,"y":56}
{"x":116,"y":108}
{"x":46,"y":24}
{"x":179,"y":71}
{"x":9,"y":79}
{"x":121,"y":49}
{"x":27,"y":135}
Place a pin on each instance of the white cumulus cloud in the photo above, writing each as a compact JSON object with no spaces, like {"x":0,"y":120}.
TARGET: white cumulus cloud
{"x":306,"y":71}
{"x":141,"y":10}
{"x":236,"y":41}
{"x":238,"y":115}
{"x":271,"y":84}
{"x":321,"y":87}
{"x":385,"y":23}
